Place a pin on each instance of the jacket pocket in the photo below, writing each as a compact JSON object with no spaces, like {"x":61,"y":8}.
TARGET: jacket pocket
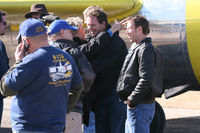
{"x":126,"y":87}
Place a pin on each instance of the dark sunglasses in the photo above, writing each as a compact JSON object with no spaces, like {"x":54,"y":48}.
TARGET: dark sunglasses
{"x":4,"y":23}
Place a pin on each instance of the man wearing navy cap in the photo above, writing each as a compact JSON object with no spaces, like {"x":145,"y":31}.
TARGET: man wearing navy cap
{"x":40,"y":81}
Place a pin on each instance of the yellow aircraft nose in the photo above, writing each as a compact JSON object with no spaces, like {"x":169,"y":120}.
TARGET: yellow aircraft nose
{"x":193,"y":34}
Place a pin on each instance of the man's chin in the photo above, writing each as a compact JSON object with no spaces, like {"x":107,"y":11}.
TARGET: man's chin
{"x":93,"y":34}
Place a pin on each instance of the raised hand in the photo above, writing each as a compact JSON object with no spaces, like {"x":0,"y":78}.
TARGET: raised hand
{"x":116,"y":26}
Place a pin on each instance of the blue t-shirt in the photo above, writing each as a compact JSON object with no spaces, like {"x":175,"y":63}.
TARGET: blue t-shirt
{"x":42,"y":80}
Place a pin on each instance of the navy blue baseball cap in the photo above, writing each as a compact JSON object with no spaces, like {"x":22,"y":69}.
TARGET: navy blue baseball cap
{"x":57,"y":25}
{"x":31,"y":27}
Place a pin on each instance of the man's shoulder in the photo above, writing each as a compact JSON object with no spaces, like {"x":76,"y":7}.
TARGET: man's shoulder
{"x":49,"y":51}
{"x":118,"y":42}
{"x":146,"y":43}
{"x":1,"y":44}
{"x":118,"y":38}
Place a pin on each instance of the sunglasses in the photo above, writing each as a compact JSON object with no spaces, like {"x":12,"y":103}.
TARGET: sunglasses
{"x":4,"y":23}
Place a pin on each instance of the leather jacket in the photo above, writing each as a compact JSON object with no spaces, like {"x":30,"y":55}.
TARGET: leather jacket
{"x":82,"y":62}
{"x":137,"y":75}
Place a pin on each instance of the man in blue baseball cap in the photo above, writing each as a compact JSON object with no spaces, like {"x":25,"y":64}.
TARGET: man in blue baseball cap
{"x":61,"y":34}
{"x":58,"y":25}
{"x":39,"y":82}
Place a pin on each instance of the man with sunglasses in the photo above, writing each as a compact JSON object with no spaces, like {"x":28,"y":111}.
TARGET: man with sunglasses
{"x":4,"y":62}
{"x":61,"y":34}
{"x":36,"y":11}
{"x":39,"y":11}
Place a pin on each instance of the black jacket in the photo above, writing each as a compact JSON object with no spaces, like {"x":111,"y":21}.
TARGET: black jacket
{"x":137,"y":74}
{"x":4,"y":62}
{"x":95,"y":45}
{"x":108,"y":62}
{"x":82,"y":62}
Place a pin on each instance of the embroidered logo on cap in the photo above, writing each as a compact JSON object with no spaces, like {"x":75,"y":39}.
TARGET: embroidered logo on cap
{"x":39,"y":29}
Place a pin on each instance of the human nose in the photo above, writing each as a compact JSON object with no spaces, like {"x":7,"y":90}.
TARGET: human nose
{"x":89,"y":27}
{"x":126,"y":31}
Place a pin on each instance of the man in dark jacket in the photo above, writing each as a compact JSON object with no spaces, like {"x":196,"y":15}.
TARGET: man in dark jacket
{"x":61,"y":35}
{"x":4,"y":62}
{"x":110,"y":113}
{"x":136,"y":77}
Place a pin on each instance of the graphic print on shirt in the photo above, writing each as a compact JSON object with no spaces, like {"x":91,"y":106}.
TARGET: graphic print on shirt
{"x":62,"y":73}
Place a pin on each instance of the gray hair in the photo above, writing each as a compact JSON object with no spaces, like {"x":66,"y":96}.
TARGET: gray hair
{"x":74,"y":21}
{"x":53,"y":36}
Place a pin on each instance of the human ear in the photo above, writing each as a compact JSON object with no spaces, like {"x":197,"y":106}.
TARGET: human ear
{"x":61,"y":32}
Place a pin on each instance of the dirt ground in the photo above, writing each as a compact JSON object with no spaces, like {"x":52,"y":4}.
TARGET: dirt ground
{"x":182,"y":113}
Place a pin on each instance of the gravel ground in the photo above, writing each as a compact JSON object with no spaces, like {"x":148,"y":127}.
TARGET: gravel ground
{"x":182,"y":113}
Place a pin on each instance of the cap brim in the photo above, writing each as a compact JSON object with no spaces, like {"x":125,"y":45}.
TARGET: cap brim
{"x":74,"y":28}
{"x":18,"y":36}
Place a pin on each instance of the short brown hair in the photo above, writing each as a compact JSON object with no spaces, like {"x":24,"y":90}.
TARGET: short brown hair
{"x":96,"y":11}
{"x":141,"y":21}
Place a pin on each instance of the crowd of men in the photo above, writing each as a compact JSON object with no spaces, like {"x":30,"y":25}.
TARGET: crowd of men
{"x":63,"y":78}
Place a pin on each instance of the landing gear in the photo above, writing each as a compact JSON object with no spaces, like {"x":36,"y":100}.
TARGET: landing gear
{"x":158,"y":123}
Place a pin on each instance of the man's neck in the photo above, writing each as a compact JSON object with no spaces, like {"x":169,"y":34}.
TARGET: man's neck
{"x":142,"y":37}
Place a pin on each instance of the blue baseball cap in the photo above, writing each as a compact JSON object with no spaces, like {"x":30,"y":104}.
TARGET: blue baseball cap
{"x":57,"y":25}
{"x":31,"y":27}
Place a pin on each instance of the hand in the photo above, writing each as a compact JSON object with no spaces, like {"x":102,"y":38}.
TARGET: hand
{"x":19,"y":52}
{"x":128,"y":104}
{"x":124,"y":22}
{"x":116,"y":26}
{"x":128,"y":107}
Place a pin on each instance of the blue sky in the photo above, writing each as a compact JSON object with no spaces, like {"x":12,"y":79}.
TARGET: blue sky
{"x":164,"y":9}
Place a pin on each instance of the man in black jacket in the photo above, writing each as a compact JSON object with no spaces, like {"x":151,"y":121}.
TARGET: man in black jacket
{"x":4,"y":62}
{"x":136,"y":77}
{"x":61,"y":34}
{"x":110,"y":113}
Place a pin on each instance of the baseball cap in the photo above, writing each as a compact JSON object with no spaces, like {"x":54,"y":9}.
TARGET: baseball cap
{"x":57,"y":25}
{"x":31,"y":27}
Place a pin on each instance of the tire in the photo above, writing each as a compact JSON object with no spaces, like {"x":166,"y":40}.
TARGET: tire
{"x":158,"y":123}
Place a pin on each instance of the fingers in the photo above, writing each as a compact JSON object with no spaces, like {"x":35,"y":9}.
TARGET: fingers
{"x":124,"y":20}
{"x":119,"y":25}
{"x":115,"y":27}
{"x":19,"y":47}
{"x":123,"y":24}
{"x":19,"y":52}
